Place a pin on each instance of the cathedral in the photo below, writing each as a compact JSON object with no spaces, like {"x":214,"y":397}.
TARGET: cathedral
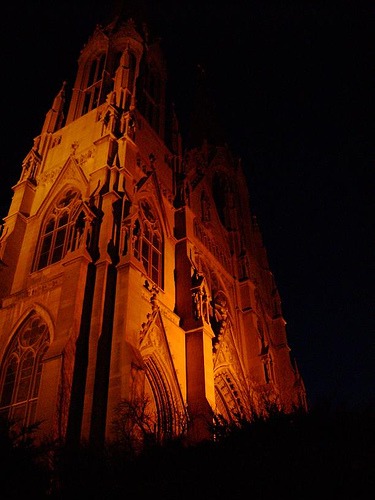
{"x":135,"y":290}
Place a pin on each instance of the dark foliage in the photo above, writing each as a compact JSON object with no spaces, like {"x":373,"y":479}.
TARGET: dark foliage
{"x":24,"y":470}
{"x":295,"y":456}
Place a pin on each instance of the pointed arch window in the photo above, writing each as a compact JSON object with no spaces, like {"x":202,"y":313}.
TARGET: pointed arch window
{"x":61,"y":231}
{"x":93,"y":95}
{"x":148,"y":243}
{"x":21,"y":371}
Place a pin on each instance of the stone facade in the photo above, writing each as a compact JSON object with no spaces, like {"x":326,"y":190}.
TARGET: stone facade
{"x":132,"y":270}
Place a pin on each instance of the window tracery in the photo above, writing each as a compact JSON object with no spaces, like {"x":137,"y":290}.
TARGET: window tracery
{"x":62,"y":231}
{"x":92,"y":93}
{"x":148,"y":243}
{"x":21,"y":371}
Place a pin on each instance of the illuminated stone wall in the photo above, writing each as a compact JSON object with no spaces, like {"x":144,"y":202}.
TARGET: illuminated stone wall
{"x":144,"y":262}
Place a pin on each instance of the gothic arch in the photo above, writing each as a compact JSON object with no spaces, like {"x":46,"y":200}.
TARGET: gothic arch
{"x":229,"y":397}
{"x":148,"y":241}
{"x":41,"y":311}
{"x":64,"y":228}
{"x":232,"y":394}
{"x":94,"y":85}
{"x":148,"y":187}
{"x":161,"y":380}
{"x":217,"y":288}
{"x":21,"y":369}
{"x":168,"y":417}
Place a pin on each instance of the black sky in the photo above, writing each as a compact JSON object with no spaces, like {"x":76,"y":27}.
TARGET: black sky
{"x":293,"y":86}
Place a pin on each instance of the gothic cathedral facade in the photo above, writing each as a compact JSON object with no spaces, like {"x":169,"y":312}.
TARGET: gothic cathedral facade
{"x":131,"y":268}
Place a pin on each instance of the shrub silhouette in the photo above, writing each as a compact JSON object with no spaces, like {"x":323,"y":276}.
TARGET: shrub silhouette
{"x":297,"y":455}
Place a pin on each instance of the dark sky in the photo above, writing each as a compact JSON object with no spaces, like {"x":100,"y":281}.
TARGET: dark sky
{"x":293,"y":86}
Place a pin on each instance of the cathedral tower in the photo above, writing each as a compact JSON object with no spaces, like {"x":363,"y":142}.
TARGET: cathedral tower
{"x":132,"y":272}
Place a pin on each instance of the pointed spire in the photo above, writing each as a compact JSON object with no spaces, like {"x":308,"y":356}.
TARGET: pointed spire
{"x":55,"y":115}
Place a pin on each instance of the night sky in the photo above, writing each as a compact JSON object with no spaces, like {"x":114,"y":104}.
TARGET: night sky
{"x":293,"y":88}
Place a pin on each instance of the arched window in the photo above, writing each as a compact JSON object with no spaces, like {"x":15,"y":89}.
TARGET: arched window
{"x":61,"y":230}
{"x":148,"y":244}
{"x":21,"y":371}
{"x":93,"y":96}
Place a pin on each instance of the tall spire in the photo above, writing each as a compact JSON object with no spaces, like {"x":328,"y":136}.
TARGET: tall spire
{"x":55,"y":115}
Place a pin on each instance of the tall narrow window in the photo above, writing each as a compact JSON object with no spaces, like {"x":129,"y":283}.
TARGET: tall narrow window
{"x":21,"y":371}
{"x":147,"y":243}
{"x":93,"y":96}
{"x":59,"y":233}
